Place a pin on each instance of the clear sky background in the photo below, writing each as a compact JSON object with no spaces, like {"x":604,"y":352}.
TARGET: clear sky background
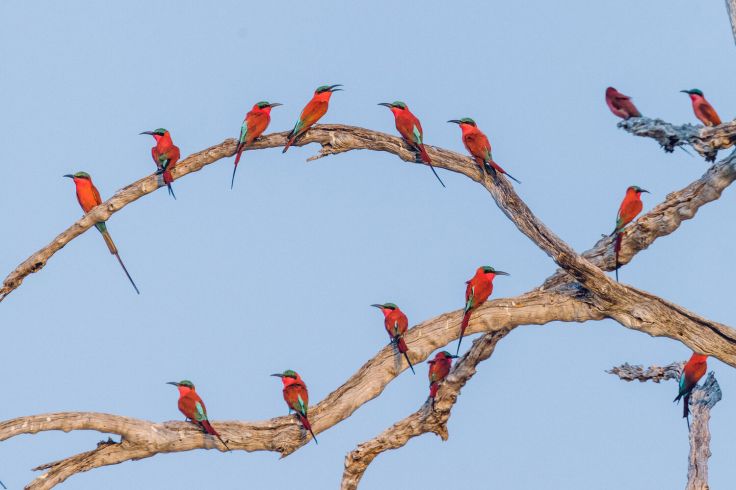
{"x":280,"y":272}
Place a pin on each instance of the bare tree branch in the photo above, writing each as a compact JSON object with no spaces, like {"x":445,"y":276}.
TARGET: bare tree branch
{"x":627,"y":372}
{"x":702,"y":400}
{"x":705,"y":140}
{"x":731,"y":8}
{"x":425,"y":419}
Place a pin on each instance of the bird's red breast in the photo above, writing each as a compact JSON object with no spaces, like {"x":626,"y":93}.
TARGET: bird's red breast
{"x":87,"y":194}
{"x":695,"y":369}
{"x":620,"y":104}
{"x":476,"y":142}
{"x":704,"y":111}
{"x":479,"y":287}
{"x":630,"y":207}
{"x":293,"y":392}
{"x":188,"y":403}
{"x":257,"y":121}
{"x":439,"y":368}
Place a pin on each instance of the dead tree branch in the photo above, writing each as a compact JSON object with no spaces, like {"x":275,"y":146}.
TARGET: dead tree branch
{"x":731,"y":8}
{"x":425,"y":419}
{"x":702,"y":400}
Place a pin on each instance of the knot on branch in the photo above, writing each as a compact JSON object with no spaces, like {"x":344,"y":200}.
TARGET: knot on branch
{"x":627,"y":372}
{"x":708,"y":394}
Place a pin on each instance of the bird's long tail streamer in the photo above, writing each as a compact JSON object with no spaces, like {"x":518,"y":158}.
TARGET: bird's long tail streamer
{"x":305,"y":422}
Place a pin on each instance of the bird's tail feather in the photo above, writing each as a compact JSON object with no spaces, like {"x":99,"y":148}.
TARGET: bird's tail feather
{"x":117,"y":255}
{"x":401,"y":346}
{"x":108,"y":239}
{"x":463,"y":326}
{"x":617,"y":249}
{"x":211,"y":430}
{"x":305,"y":422}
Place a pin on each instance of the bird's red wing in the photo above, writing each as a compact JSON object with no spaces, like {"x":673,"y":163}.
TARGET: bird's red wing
{"x":172,"y":154}
{"x":312,"y":113}
{"x":154,"y":155}
{"x":628,"y":211}
{"x":188,"y":406}
{"x":296,"y":396}
{"x":709,"y":113}
{"x":403,"y":323}
{"x":257,"y":122}
{"x":96,"y":194}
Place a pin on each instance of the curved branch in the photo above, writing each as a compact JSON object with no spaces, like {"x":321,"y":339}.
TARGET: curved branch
{"x":705,"y":140}
{"x":425,"y":419}
{"x":627,"y":372}
{"x":731,"y":9}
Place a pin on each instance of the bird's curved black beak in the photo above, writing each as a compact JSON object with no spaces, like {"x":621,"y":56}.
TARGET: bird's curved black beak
{"x":173,"y":383}
{"x":452,"y":356}
{"x":456,"y":121}
{"x":685,"y":91}
{"x":644,"y":190}
{"x":332,"y":88}
{"x":377,"y":306}
{"x":274,"y":104}
{"x":147,"y":132}
{"x":385,"y":104}
{"x":502,"y":273}
{"x":69,"y":175}
{"x":278,"y":375}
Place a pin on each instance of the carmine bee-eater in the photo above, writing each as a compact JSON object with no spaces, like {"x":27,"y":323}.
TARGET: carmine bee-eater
{"x":478,"y":289}
{"x":89,"y":197}
{"x":620,"y":104}
{"x":702,"y":108}
{"x":630,"y":207}
{"x":396,"y":325}
{"x":410,"y":129}
{"x":479,"y":147}
{"x":439,"y":368}
{"x":165,"y":155}
{"x":296,"y":397}
{"x":312,"y":112}
{"x":691,"y":374}
{"x":192,"y":406}
{"x":254,"y":124}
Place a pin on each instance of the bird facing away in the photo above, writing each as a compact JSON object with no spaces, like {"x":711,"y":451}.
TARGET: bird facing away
{"x":396,"y":325}
{"x":410,"y":129}
{"x":478,"y":289}
{"x":312,"y":112}
{"x":630,"y":207}
{"x":192,"y":406}
{"x":296,"y":397}
{"x":479,"y":147}
{"x":254,"y":124}
{"x":89,"y":197}
{"x":620,"y":104}
{"x":439,"y":368}
{"x":691,"y":374}
{"x":165,"y":155}
{"x":702,"y":108}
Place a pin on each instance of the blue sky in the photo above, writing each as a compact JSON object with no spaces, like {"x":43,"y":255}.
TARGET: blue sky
{"x":280,"y":272}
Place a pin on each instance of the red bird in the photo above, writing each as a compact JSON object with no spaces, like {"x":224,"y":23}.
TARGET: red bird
{"x":296,"y":397}
{"x":630,"y":207}
{"x":702,"y":108}
{"x":439,"y":368}
{"x":691,"y":374}
{"x":192,"y":406}
{"x":89,"y":197}
{"x":479,"y":288}
{"x":396,"y":325}
{"x":479,"y":147}
{"x":620,"y":104}
{"x":254,"y":124}
{"x":312,"y":112}
{"x":410,"y":129}
{"x":165,"y":155}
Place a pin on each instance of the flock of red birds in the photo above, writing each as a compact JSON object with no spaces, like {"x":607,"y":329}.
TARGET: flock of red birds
{"x":479,"y":288}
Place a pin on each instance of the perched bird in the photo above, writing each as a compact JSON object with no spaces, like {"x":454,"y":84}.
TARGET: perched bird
{"x":165,"y":155}
{"x":192,"y":406}
{"x":396,"y":325}
{"x":296,"y":397}
{"x":479,"y":147}
{"x":439,"y":368}
{"x":620,"y":104}
{"x":691,"y":374}
{"x":254,"y":124}
{"x":478,"y":289}
{"x":630,"y":207}
{"x":312,"y":112}
{"x":411,"y":130}
{"x":89,"y":197}
{"x":702,"y":108}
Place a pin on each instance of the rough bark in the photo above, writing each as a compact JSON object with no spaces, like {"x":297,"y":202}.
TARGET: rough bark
{"x":731,"y":8}
{"x":424,"y":420}
{"x":702,"y":400}
{"x":705,"y":140}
